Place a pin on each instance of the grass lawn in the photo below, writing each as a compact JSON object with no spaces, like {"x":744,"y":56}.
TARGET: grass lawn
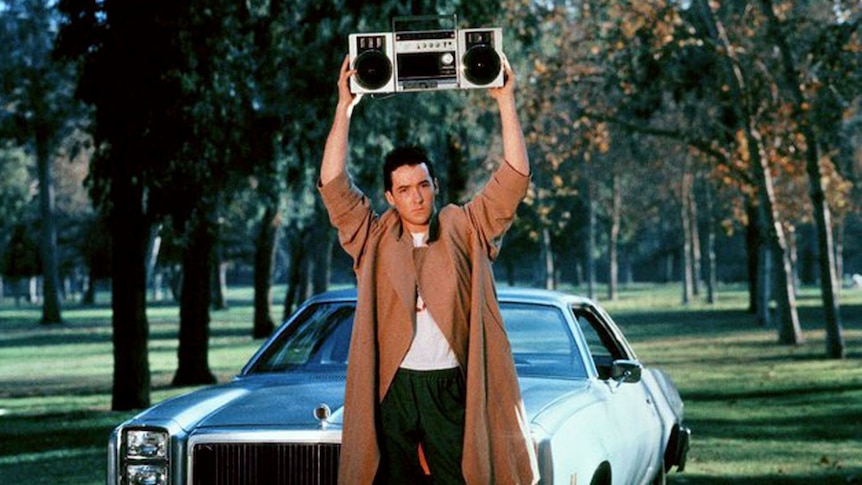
{"x":760,"y":412}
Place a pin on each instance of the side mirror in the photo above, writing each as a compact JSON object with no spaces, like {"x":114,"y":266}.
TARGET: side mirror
{"x":624,"y":371}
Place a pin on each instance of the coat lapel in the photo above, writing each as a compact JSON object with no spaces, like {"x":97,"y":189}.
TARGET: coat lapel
{"x":400,"y":269}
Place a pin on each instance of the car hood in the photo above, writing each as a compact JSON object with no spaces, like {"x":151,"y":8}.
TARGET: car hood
{"x":264,"y":401}
{"x":288,"y":401}
{"x":283,"y":402}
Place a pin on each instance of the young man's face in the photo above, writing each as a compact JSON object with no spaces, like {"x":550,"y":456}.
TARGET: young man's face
{"x":412,"y":195}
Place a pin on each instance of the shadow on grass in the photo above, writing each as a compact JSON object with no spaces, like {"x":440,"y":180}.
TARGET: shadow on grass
{"x":838,"y":477}
{"x":97,"y":333}
{"x":789,"y":428}
{"x":57,"y":448}
{"x":55,"y":431}
{"x":700,"y":322}
{"x":815,"y":392}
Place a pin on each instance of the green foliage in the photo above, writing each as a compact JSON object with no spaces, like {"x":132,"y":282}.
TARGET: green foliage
{"x":37,"y":91}
{"x":15,"y":184}
{"x":21,"y":254}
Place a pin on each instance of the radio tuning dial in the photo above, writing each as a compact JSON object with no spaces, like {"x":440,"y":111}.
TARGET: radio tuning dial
{"x":447,"y":58}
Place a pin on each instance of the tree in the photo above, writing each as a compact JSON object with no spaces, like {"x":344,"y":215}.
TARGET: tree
{"x":14,"y":195}
{"x":791,"y":79}
{"x":43,"y":110}
{"x":213,"y":161}
{"x":736,"y":77}
{"x":127,"y":56}
{"x":634,"y":65}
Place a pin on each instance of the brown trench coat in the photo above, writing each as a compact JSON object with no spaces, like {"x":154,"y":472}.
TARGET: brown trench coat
{"x":457,"y":284}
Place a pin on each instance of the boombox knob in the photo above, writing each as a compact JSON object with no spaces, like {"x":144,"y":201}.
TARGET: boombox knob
{"x":373,"y":69}
{"x":481,"y":64}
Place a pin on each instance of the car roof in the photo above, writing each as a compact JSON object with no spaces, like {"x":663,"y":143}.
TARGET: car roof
{"x":508,"y":294}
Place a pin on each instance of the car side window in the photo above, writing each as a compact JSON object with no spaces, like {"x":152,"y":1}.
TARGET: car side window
{"x":541,"y":341}
{"x":602,"y":345}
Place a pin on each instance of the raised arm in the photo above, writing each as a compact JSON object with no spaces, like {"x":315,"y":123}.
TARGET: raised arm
{"x":514,"y":146}
{"x":335,"y":152}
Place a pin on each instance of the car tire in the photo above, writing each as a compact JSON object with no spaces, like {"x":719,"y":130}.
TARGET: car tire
{"x":660,"y":477}
{"x":602,"y":475}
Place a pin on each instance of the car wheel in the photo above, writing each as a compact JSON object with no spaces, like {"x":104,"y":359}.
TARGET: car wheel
{"x":602,"y":475}
{"x":660,"y":477}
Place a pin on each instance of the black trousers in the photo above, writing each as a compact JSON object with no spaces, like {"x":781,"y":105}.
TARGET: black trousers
{"x":424,"y":407}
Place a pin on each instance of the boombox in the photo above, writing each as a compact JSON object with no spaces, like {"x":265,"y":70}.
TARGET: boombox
{"x":426,"y":60}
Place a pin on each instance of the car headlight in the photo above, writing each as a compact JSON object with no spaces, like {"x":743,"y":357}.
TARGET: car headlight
{"x":146,"y":475}
{"x":146,"y":443}
{"x":145,"y":456}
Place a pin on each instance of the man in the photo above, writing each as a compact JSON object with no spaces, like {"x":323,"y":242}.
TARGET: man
{"x":430,"y":366}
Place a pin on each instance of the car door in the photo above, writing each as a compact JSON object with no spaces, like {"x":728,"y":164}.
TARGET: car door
{"x":635,"y":443}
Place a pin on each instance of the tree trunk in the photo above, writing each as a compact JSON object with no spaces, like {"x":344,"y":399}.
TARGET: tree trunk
{"x":822,"y":213}
{"x":322,"y":258}
{"x":764,"y":280}
{"x":48,"y":240}
{"x":548,"y":257}
{"x":33,"y":290}
{"x":129,"y":229}
{"x":264,"y":254}
{"x":154,"y":245}
{"x":193,"y":363}
{"x":613,"y":243}
{"x":696,"y":253}
{"x":686,"y":223}
{"x":753,"y":234}
{"x":297,"y":275}
{"x":591,"y":245}
{"x":89,"y":296}
{"x":579,"y":273}
{"x":793,"y":255}
{"x":839,"y":253}
{"x":627,"y":270}
{"x":711,"y":258}
{"x":789,"y":329}
{"x":218,"y":281}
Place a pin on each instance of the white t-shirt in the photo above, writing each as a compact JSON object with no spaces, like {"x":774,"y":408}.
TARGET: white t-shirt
{"x":429,"y":350}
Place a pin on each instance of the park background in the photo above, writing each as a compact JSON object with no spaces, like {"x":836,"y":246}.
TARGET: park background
{"x":701,"y":156}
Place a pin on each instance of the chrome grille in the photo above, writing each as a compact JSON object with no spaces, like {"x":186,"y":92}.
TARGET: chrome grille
{"x":265,"y":463}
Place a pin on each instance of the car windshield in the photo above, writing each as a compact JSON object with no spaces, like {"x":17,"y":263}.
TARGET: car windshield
{"x":318,"y":339}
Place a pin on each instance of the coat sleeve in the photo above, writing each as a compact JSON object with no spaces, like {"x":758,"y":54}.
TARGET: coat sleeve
{"x":350,"y":212}
{"x":492,"y":211}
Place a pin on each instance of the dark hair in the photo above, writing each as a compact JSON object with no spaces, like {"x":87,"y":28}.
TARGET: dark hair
{"x":411,"y":155}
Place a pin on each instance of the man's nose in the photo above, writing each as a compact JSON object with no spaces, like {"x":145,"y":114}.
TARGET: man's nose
{"x":417,"y":195}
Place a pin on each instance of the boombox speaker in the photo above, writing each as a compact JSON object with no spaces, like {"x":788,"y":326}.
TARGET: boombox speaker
{"x":371,"y":55}
{"x":481,"y":58}
{"x":426,"y":60}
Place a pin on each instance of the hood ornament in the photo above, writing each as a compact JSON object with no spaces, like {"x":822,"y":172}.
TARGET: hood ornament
{"x":322,"y":414}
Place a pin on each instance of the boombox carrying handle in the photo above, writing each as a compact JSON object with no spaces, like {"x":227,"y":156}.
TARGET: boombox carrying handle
{"x":398,"y":23}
